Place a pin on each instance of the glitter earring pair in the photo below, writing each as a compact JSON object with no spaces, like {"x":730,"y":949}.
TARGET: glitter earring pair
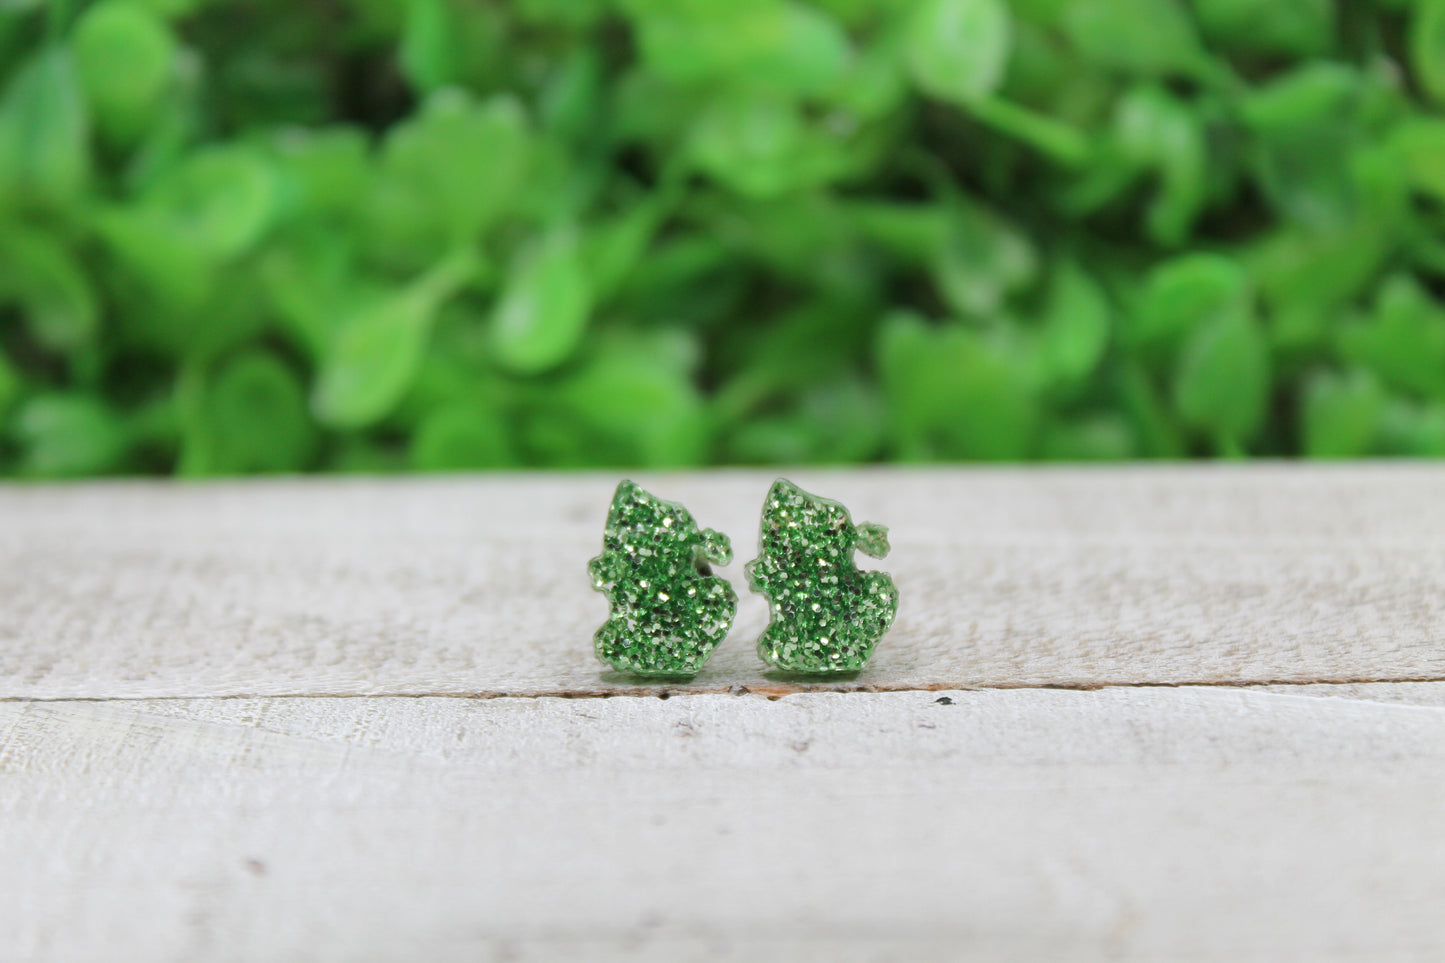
{"x":669,"y":611}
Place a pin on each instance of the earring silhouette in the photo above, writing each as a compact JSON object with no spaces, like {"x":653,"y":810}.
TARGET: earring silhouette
{"x":826,"y":615}
{"x":668,"y":610}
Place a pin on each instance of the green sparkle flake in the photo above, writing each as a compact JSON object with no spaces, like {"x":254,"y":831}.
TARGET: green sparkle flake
{"x":668,"y":610}
{"x":827,"y":615}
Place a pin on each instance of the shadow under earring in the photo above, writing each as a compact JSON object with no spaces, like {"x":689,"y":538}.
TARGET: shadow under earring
{"x":827,"y":615}
{"x":668,"y":610}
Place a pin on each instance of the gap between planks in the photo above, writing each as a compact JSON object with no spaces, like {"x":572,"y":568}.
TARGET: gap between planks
{"x":770,"y":692}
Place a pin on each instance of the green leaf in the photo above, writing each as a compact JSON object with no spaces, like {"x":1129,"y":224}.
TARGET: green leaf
{"x":543,"y":311}
{"x":1310,"y":273}
{"x":459,"y":162}
{"x":911,"y":233}
{"x":222,"y":199}
{"x":251,"y":418}
{"x":371,"y":364}
{"x":58,"y":303}
{"x":751,"y":144}
{"x":325,"y":169}
{"x":11,"y":384}
{"x":1298,"y":28}
{"x":171,"y":267}
{"x":171,"y":132}
{"x":1342,"y":414}
{"x":614,"y":247}
{"x":1307,"y":126}
{"x":570,"y":104}
{"x":1076,"y":328}
{"x":1302,"y":99}
{"x":875,"y":85}
{"x":953,"y":394}
{"x":796,"y":350}
{"x":1408,"y":428}
{"x":454,"y":43}
{"x":835,"y":422}
{"x":1404,"y":343}
{"x":632,"y":401}
{"x":1086,"y":203}
{"x":427,"y":53}
{"x":229,"y":311}
{"x":812,"y":55}
{"x":983,"y":259}
{"x":1427,"y":47}
{"x":376,"y":352}
{"x":779,"y":46}
{"x":1153,"y":129}
{"x":691,"y":43}
{"x":44,"y":133}
{"x":171,"y":9}
{"x":1104,"y":437}
{"x":126,"y":56}
{"x":310,"y":279}
{"x":1223,"y":379}
{"x":69,"y":434}
{"x":459,"y":437}
{"x":772,"y":440}
{"x":1187,"y":294}
{"x":1156,"y":427}
{"x":1059,"y":141}
{"x":956,"y":50}
{"x":1142,"y":37}
{"x":1420,"y":141}
{"x":570,"y":13}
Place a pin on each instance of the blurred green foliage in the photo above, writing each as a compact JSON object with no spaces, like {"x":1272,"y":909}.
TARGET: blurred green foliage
{"x":281,"y":235}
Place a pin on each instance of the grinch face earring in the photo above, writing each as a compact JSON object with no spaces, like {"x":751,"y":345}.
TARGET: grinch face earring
{"x":668,"y":610}
{"x":827,"y":616}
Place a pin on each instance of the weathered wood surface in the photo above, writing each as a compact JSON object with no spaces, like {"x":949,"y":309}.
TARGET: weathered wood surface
{"x":1010,"y":577}
{"x":230,"y":727}
{"x":1122,"y":824}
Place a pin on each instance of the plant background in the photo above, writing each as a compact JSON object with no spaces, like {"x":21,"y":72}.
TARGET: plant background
{"x":374,"y":235}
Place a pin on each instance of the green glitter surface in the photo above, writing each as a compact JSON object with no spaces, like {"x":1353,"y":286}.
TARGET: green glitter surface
{"x":668,"y":610}
{"x":827,"y":616}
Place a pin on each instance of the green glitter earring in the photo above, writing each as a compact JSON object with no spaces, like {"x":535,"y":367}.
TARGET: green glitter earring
{"x":827,"y":616}
{"x":668,"y":610}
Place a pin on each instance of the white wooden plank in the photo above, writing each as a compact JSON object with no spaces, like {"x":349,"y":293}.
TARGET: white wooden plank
{"x":1010,"y":577}
{"x":1400,"y":693}
{"x":1125,"y":824}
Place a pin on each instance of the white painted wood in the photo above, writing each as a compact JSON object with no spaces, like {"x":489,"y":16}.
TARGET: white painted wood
{"x":224,"y":734}
{"x":1399,"y":693}
{"x":1123,"y":824}
{"x":477,"y":585}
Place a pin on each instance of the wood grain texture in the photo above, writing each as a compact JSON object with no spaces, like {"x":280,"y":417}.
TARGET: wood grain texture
{"x":225,"y":730}
{"x":1123,"y":824}
{"x":1009,"y":577}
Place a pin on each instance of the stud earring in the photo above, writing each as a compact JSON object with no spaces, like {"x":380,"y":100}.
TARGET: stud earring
{"x":668,"y":610}
{"x":827,"y":616}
